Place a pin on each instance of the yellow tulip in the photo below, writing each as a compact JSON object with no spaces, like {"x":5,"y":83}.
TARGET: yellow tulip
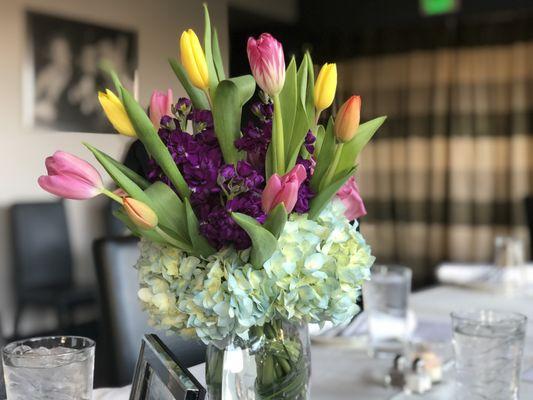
{"x":140,"y":213}
{"x":116,"y":113}
{"x":193,"y":59}
{"x":325,"y":86}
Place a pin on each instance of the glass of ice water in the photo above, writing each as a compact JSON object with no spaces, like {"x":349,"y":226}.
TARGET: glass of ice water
{"x":49,"y":368}
{"x":488,"y":348}
{"x":386,"y":302}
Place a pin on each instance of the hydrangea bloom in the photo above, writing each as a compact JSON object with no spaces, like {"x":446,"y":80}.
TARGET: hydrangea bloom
{"x":314,"y":276}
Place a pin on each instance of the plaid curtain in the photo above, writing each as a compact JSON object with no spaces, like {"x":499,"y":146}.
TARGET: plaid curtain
{"x":453,"y":163}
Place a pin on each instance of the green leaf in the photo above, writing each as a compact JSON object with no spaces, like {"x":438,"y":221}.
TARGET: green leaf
{"x":208,"y":49}
{"x":320,"y":134}
{"x":276,"y":220}
{"x":288,"y":101}
{"x":264,"y":243}
{"x":120,"y":178}
{"x":319,"y":202}
{"x":230,"y":96}
{"x":153,"y":143}
{"x":327,"y":151}
{"x":198,"y":97}
{"x":300,"y":129}
{"x":302,"y":79}
{"x":199,"y":243}
{"x":217,"y":57}
{"x":169,"y":209}
{"x":351,"y":150}
{"x":134,"y":176}
{"x":310,"y":93}
{"x":106,"y":66}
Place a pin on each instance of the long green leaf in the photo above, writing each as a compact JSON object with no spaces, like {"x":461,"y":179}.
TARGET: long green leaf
{"x":302,"y":79}
{"x":154,"y":145}
{"x":327,"y":151}
{"x":134,"y":176}
{"x":198,"y":98}
{"x":169,"y":209}
{"x":300,"y":129}
{"x":264,"y":243}
{"x":120,"y":178}
{"x":276,"y":220}
{"x":217,"y":57}
{"x":208,"y":49}
{"x":199,"y":243}
{"x":229,"y":98}
{"x":324,"y":196}
{"x":309,"y":98}
{"x":288,"y":100}
{"x":320,"y":134}
{"x":351,"y":150}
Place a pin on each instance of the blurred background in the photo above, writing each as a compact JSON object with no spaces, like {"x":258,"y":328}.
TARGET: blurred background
{"x":451,"y":169}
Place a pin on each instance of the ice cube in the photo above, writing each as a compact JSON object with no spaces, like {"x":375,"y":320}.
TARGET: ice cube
{"x":20,"y":350}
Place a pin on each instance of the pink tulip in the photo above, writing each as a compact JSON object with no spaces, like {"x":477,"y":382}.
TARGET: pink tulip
{"x":160,"y":105}
{"x":283,"y":189}
{"x":267,"y":63}
{"x":70,"y":177}
{"x":349,"y":195}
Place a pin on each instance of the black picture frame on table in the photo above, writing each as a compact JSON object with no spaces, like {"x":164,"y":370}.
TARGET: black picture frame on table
{"x":159,"y":376}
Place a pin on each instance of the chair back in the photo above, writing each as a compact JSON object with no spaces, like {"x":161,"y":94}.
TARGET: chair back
{"x":529,"y":216}
{"x":41,"y":246}
{"x":124,"y":322}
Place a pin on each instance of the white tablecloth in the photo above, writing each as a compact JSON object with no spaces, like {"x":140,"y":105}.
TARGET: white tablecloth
{"x":342,"y":373}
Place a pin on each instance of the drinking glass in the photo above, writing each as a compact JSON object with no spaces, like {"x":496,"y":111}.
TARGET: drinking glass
{"x":386,"y":301}
{"x":510,"y":262}
{"x":49,"y":368}
{"x":488,"y":347}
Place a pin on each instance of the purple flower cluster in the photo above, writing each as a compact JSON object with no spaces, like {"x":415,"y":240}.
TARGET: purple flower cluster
{"x":256,"y":135}
{"x":217,"y":189}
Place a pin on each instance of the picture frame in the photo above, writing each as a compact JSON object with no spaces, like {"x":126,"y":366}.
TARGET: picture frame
{"x":160,"y":376}
{"x":62,"y":71}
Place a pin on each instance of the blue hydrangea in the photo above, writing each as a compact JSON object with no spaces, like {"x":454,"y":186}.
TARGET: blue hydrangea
{"x":314,"y":276}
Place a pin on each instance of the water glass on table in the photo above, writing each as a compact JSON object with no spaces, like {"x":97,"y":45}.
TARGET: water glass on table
{"x":386,"y":302}
{"x":488,"y":347}
{"x":49,"y":368}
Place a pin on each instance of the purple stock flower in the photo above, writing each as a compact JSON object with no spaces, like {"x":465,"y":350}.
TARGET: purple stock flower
{"x":309,"y":142}
{"x":305,"y":193}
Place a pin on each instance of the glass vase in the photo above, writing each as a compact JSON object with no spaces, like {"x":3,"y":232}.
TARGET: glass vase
{"x":273,"y":363}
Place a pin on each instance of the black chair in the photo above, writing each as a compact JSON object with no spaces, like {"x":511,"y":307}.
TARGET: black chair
{"x":42,"y":262}
{"x":124,"y":322}
{"x":529,"y":216}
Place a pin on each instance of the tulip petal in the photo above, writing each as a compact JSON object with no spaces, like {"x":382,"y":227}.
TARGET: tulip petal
{"x":288,"y":196}
{"x":116,"y":113}
{"x":351,"y":198}
{"x":270,"y":192}
{"x":68,"y":187}
{"x":62,"y":163}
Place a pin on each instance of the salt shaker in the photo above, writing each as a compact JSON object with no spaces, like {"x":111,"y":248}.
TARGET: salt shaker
{"x":396,"y":377}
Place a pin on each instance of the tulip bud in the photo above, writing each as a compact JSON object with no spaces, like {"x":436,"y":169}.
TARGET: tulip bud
{"x":140,"y":214}
{"x":160,"y":105}
{"x":193,"y":59}
{"x":325,"y":86}
{"x":116,"y":113}
{"x":283,"y":189}
{"x":267,"y":63}
{"x":347,"y":121}
{"x":349,"y":195}
{"x":71,"y":177}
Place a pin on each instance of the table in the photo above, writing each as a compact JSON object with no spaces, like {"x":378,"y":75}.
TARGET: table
{"x":347,"y":374}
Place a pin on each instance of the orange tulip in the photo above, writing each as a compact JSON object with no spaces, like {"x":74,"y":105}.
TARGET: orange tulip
{"x":347,"y":121}
{"x":140,"y":214}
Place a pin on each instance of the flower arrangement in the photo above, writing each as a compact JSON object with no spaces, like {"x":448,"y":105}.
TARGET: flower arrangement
{"x":242,"y":226}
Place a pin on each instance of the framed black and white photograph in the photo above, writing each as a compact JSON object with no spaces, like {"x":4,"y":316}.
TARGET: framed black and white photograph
{"x":159,"y":376}
{"x":63,"y":74}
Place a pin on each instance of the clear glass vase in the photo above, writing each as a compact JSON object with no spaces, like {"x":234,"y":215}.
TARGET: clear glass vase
{"x":274,"y":363}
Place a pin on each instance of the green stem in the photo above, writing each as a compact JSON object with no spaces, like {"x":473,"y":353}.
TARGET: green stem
{"x":112,"y":196}
{"x":332,"y":168}
{"x":277,"y":138}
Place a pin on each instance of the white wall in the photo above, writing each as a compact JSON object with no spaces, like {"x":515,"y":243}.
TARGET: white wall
{"x":22,"y":150}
